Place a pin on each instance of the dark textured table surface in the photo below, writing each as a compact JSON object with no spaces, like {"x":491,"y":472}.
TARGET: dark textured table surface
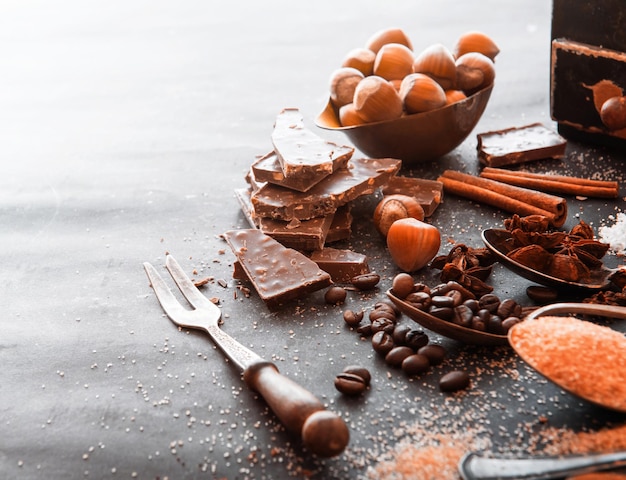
{"x":126,"y":127}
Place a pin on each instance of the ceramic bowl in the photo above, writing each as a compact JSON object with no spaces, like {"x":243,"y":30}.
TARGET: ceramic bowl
{"x":413,"y":138}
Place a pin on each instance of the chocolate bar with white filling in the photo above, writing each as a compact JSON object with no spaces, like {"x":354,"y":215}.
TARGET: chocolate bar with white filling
{"x":277,"y":273}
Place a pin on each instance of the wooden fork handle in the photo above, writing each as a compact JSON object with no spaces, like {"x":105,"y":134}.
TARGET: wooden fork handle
{"x":323,"y":432}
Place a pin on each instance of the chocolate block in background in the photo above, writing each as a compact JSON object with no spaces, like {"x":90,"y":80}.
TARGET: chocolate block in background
{"x":588,"y":66}
{"x":516,"y":145}
{"x":342,"y":265}
{"x":278,"y":274}
{"x":428,"y":193}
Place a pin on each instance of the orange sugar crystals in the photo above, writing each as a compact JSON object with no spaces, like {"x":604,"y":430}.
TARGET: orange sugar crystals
{"x":581,"y":357}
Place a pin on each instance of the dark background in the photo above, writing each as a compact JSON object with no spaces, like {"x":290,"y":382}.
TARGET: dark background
{"x":125,"y":127}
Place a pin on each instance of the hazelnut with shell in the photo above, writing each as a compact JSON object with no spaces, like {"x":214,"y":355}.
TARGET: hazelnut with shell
{"x":476,"y":42}
{"x":395,"y":207}
{"x":349,"y":117}
{"x":420,"y":93}
{"x":437,"y":62}
{"x":453,"y":96}
{"x":474,"y":71}
{"x":388,"y":35}
{"x":360,"y":58}
{"x":343,"y":82}
{"x":393,"y":61}
{"x":375,"y":100}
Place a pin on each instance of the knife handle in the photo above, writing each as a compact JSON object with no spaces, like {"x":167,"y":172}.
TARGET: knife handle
{"x":323,"y":432}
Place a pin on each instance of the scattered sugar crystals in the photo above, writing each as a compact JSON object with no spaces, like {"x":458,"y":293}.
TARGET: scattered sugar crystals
{"x":615,"y":235}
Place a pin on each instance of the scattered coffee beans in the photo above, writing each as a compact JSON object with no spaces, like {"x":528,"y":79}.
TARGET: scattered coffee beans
{"x":453,"y":381}
{"x":353,"y":318}
{"x":335,"y":295}
{"x":415,"y":364}
{"x":435,"y":353}
{"x":367,"y":281}
{"x":353,"y":381}
{"x":542,"y":295}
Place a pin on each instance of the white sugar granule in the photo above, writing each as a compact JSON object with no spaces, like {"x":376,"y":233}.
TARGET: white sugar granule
{"x":615,"y":235}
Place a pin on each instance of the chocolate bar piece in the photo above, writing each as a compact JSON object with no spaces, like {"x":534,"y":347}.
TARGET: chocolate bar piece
{"x":298,"y":234}
{"x":268,"y":169}
{"x":517,"y":145}
{"x":362,"y":176}
{"x":342,"y":265}
{"x":278,"y":274}
{"x":341,"y":228}
{"x":301,"y":152}
{"x":429,"y":193}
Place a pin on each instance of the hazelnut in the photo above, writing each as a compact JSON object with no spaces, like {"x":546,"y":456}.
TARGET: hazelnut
{"x":420,"y":93}
{"x":349,"y":117}
{"x":395,"y":207}
{"x":389,"y":35}
{"x":437,"y":62}
{"x":393,"y":61}
{"x":362,"y":59}
{"x":343,"y":82}
{"x":476,"y":42}
{"x":375,"y":100}
{"x":453,"y":96}
{"x":474,"y":71}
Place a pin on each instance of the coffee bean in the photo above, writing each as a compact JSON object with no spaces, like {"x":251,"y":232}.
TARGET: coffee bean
{"x":335,"y":295}
{"x":420,"y":300}
{"x":416,"y":339}
{"x":366,"y":281}
{"x":440,"y":289}
{"x":402,"y":285}
{"x":494,"y":325}
{"x":382,"y":343}
{"x":508,"y":308}
{"x":365,"y":329}
{"x":396,"y":355}
{"x":387,"y":305}
{"x":456,"y":296}
{"x":415,"y":364}
{"x":467,"y":295}
{"x":453,"y":381}
{"x":382,"y":313}
{"x":383,"y":324}
{"x":436,"y":353}
{"x":350,"y":384}
{"x":542,"y":295}
{"x":472,"y":303}
{"x":421,"y":287}
{"x":360,"y":371}
{"x":442,"y":301}
{"x":489,"y":302}
{"x":353,"y":318}
{"x":478,"y":324}
{"x":399,"y":334}
{"x":508,"y":322}
{"x":463,"y":316}
{"x":444,"y":313}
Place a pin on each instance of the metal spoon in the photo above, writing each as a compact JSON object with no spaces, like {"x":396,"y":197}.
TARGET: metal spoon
{"x":495,"y":240}
{"x":476,"y":467}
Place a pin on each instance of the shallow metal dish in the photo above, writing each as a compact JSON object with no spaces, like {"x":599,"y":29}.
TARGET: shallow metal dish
{"x":495,"y":240}
{"x":414,"y":138}
{"x":445,"y":328}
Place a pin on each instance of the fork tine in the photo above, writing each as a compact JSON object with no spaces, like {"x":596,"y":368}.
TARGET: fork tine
{"x":186,"y":286}
{"x":172,"y":307}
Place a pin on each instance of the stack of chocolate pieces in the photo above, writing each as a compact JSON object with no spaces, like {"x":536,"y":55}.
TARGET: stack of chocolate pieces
{"x":299,"y":194}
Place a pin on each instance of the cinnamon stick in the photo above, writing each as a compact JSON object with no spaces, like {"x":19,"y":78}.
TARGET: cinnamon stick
{"x":561,"y":184}
{"x":522,"y":201}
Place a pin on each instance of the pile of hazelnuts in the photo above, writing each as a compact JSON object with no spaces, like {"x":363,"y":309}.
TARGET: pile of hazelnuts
{"x":454,"y":303}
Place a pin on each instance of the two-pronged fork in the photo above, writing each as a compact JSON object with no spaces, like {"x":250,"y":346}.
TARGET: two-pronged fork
{"x":322,"y":432}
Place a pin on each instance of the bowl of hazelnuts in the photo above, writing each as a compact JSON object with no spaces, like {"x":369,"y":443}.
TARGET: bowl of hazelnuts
{"x":416,"y":106}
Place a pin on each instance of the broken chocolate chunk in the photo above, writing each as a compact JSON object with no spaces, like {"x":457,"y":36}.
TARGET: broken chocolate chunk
{"x":428,"y":193}
{"x":278,"y":274}
{"x":362,"y":176}
{"x":517,"y":145}
{"x":342,"y":265}
{"x":301,"y":152}
{"x":268,"y":169}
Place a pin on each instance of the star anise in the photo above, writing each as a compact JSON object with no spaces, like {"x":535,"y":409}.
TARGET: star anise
{"x":468,"y":266}
{"x":530,"y":223}
{"x":477,"y":286}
